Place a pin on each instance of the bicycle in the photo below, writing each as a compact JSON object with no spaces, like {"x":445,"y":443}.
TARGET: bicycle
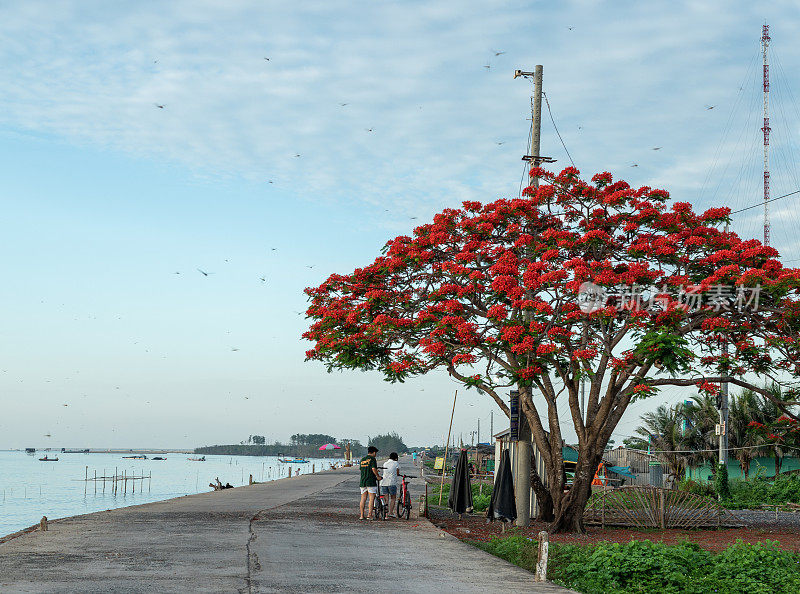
{"x":380,"y":506}
{"x":404,"y":499}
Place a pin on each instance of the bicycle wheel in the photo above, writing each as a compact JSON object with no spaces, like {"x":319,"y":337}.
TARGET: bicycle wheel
{"x":400,"y":506}
{"x":384,"y":509}
{"x":408,"y":510}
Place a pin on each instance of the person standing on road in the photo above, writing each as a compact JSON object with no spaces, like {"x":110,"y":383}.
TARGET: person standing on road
{"x":369,"y":482}
{"x":391,"y":470}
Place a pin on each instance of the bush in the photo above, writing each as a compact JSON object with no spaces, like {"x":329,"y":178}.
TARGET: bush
{"x":643,"y":566}
{"x":696,"y":487}
{"x":755,"y":492}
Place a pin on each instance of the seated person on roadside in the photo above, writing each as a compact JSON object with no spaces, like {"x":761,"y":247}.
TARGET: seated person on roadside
{"x":369,"y":481}
{"x":391,"y":470}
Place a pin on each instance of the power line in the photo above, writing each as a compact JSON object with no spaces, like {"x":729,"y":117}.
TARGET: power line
{"x":762,"y":202}
{"x":717,"y":449}
{"x":556,"y":128}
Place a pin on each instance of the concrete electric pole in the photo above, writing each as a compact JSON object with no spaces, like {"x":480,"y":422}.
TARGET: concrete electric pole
{"x":522,"y":457}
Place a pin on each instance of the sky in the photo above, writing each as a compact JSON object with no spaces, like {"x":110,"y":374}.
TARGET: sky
{"x":270,"y":144}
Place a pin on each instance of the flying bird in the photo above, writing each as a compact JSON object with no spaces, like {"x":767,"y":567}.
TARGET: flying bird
{"x":499,"y":143}
{"x":159,"y":105}
{"x":203,"y":272}
{"x":635,"y":165}
{"x":498,"y":53}
{"x":710,"y":106}
{"x":570,"y":28}
{"x":263,"y":279}
{"x":234,"y":349}
{"x":368,"y":129}
{"x":297,"y":154}
{"x":412,"y":218}
{"x":267,"y":59}
{"x":343,"y":104}
{"x":656,"y":148}
{"x":487,"y":66}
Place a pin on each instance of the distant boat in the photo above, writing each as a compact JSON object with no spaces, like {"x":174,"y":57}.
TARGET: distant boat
{"x":203,"y":459}
{"x":30,"y":450}
{"x":46,"y":459}
{"x":137,"y":457}
{"x":157,"y":458}
{"x":294,"y":461}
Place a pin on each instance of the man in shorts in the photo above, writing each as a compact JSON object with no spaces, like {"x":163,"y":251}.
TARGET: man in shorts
{"x":369,"y":481}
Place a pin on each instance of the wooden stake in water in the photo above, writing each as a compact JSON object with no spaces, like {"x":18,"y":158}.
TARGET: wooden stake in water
{"x":95,"y":481}
{"x":85,"y":479}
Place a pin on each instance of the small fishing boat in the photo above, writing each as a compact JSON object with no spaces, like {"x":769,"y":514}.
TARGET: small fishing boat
{"x":137,"y":457}
{"x":157,"y":458}
{"x":294,"y":461}
{"x":203,"y":459}
{"x":46,"y":459}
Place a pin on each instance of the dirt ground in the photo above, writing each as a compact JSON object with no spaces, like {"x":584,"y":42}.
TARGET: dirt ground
{"x":761,"y":527}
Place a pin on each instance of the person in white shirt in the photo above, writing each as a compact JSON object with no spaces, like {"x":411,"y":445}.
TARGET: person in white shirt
{"x":391,"y":470}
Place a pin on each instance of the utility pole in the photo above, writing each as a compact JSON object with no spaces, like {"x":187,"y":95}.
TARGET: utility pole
{"x":522,"y":465}
{"x":765,"y":39}
{"x":479,"y":430}
{"x":491,"y":426}
{"x":723,"y":400}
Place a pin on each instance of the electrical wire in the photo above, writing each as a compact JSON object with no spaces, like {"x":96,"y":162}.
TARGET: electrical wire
{"x":556,"y":128}
{"x":760,"y":204}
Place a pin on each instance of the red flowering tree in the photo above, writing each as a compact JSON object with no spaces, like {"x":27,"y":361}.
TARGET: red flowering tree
{"x":575,"y":281}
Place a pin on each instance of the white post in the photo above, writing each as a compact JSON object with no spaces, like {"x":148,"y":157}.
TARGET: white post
{"x":541,"y":564}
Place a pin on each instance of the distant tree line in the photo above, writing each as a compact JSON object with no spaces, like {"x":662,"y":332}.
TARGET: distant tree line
{"x":301,"y":445}
{"x":390,"y":442}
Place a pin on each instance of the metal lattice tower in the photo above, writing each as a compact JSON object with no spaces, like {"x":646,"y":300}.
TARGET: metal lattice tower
{"x":764,"y":44}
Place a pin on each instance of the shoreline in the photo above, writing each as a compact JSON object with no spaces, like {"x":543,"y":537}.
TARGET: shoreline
{"x":4,"y":538}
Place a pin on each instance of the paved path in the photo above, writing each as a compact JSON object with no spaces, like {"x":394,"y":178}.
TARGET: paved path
{"x":300,"y":535}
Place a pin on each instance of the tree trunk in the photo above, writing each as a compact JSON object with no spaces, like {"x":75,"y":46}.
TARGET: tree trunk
{"x":543,"y":497}
{"x":569,"y":512}
{"x":778,"y":463}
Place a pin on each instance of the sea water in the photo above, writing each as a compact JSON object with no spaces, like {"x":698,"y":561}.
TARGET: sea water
{"x":30,"y":489}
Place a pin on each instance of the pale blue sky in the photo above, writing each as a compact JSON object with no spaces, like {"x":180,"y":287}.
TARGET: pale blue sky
{"x":105,"y":196}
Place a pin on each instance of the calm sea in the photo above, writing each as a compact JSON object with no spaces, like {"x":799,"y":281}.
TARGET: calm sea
{"x":30,"y":489}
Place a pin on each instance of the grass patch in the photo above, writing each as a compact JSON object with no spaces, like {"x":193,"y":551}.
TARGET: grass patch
{"x":644,"y":566}
{"x":480,"y":501}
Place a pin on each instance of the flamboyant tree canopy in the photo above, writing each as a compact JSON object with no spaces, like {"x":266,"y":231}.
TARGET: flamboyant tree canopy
{"x":574,"y":279}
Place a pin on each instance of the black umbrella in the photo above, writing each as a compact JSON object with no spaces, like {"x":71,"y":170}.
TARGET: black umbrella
{"x":460,"y":499}
{"x":503,"y":505}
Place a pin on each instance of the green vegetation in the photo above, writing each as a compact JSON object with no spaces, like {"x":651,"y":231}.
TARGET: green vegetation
{"x":302,"y":445}
{"x":684,"y":435}
{"x":721,"y":485}
{"x":480,"y":496}
{"x":391,"y":442}
{"x":644,"y":566}
{"x":755,"y":492}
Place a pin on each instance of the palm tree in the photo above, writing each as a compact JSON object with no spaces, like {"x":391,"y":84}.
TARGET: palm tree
{"x":745,"y":445}
{"x":663,"y":427}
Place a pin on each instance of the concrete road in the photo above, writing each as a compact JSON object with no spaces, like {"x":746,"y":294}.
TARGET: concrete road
{"x":300,"y":535}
